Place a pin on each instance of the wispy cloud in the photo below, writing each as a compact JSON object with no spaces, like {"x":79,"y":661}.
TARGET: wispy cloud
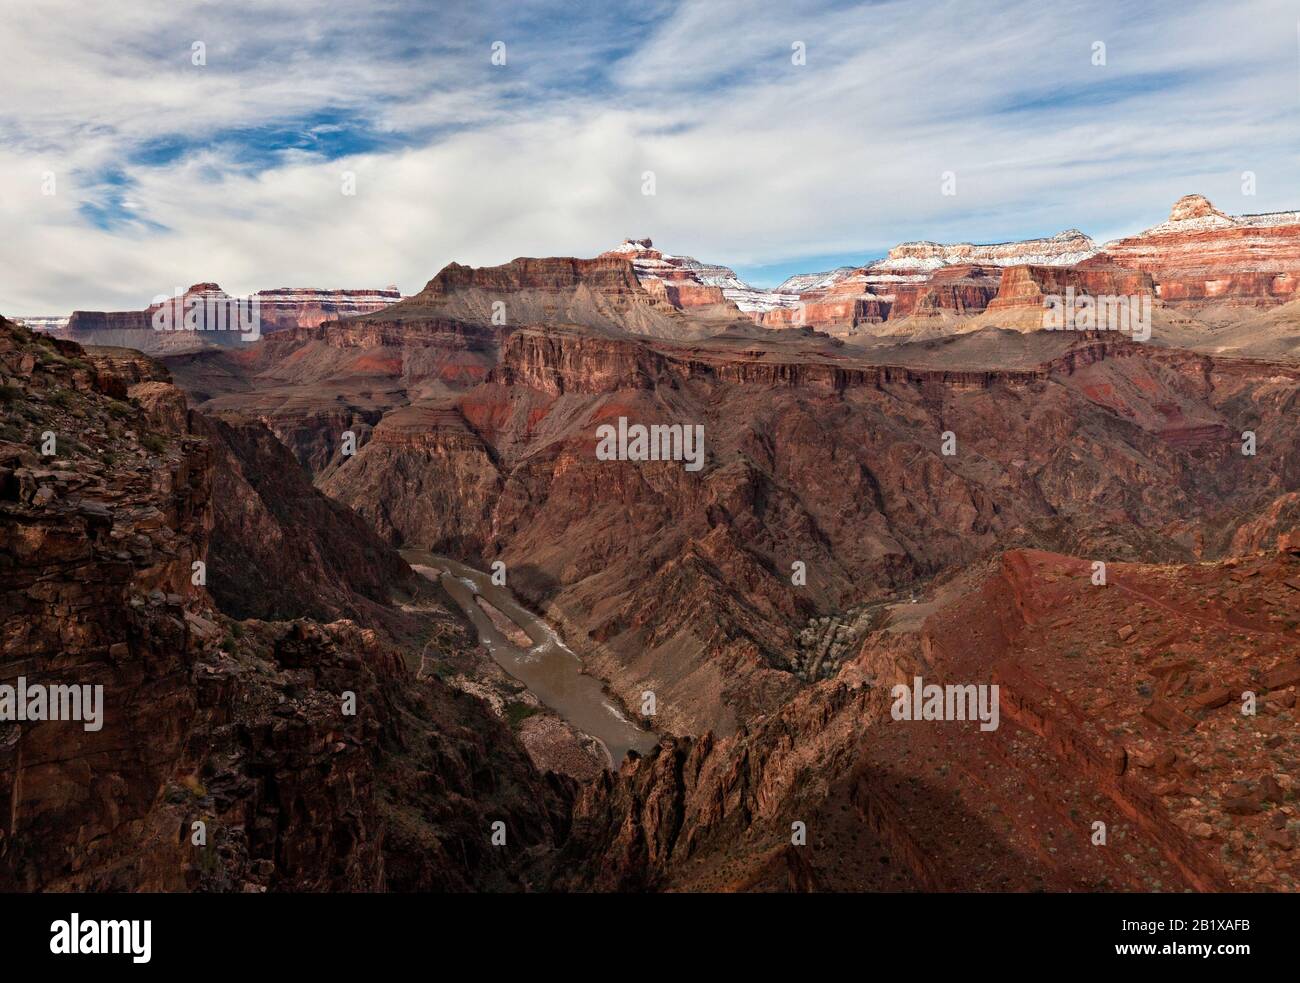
{"x":170,"y":173}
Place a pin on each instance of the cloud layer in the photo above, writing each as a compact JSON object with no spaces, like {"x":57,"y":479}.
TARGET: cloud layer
{"x":167,"y":173}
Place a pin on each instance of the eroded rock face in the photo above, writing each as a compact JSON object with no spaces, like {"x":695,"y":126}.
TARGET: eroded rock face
{"x":868,"y":297}
{"x":1029,"y":286}
{"x":888,"y":803}
{"x":1202,"y":255}
{"x":244,"y":726}
{"x":958,"y":289}
{"x":827,"y":459}
{"x":602,"y":294}
{"x":1200,"y":258}
{"x":98,"y":540}
{"x":286,"y":308}
{"x":282,"y":550}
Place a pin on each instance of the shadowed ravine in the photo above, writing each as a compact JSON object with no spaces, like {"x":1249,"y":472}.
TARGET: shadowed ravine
{"x":550,"y":669}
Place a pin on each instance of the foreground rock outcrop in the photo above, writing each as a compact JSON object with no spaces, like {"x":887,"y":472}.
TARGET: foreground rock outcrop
{"x":228,"y":754}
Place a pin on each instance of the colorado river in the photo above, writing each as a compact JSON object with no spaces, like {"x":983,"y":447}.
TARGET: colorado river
{"x":548,"y":667}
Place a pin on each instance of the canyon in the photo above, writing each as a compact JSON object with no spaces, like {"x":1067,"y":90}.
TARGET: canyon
{"x":903,"y":475}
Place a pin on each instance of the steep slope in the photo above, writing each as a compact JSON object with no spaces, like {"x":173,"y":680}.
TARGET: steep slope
{"x":1119,"y":761}
{"x":680,"y":582}
{"x":245,"y":727}
{"x":601,"y":294}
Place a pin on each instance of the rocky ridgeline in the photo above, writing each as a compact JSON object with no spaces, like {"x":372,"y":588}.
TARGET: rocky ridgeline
{"x":1200,"y":256}
{"x":687,"y":283}
{"x":1136,"y":727}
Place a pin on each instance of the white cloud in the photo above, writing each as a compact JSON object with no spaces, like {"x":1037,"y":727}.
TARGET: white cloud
{"x":757,"y":161}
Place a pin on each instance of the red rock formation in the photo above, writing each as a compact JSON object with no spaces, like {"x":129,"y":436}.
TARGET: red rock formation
{"x":602,"y":293}
{"x":816,"y":455}
{"x":957,"y":289}
{"x":1028,"y":286}
{"x":943,"y":805}
{"x":1202,"y":255}
{"x":286,"y":308}
{"x":687,"y":283}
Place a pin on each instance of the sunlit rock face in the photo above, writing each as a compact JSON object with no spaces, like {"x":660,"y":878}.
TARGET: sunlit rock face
{"x":1203,"y":255}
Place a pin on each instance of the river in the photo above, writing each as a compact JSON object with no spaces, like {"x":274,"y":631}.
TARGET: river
{"x":549,"y":668}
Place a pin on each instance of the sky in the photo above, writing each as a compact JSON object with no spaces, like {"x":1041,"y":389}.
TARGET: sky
{"x":145,"y":146}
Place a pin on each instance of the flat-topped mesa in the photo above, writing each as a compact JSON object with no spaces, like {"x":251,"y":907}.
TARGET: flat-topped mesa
{"x":1063,"y":249}
{"x":804,"y":282}
{"x":1202,"y":254}
{"x":279,"y":309}
{"x":135,"y":329}
{"x":686,"y":282}
{"x":285,"y":308}
{"x":608,"y":274}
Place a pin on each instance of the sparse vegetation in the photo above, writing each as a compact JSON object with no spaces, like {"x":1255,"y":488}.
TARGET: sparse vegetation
{"x":517,"y":713}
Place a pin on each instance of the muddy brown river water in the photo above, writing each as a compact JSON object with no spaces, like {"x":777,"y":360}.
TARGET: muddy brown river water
{"x":549,"y":668}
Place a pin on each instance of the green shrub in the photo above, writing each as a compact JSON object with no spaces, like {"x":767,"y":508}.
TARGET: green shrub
{"x":153,"y":442}
{"x":517,"y":713}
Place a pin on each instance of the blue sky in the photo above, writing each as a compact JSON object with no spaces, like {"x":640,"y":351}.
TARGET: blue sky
{"x":166,"y":172}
